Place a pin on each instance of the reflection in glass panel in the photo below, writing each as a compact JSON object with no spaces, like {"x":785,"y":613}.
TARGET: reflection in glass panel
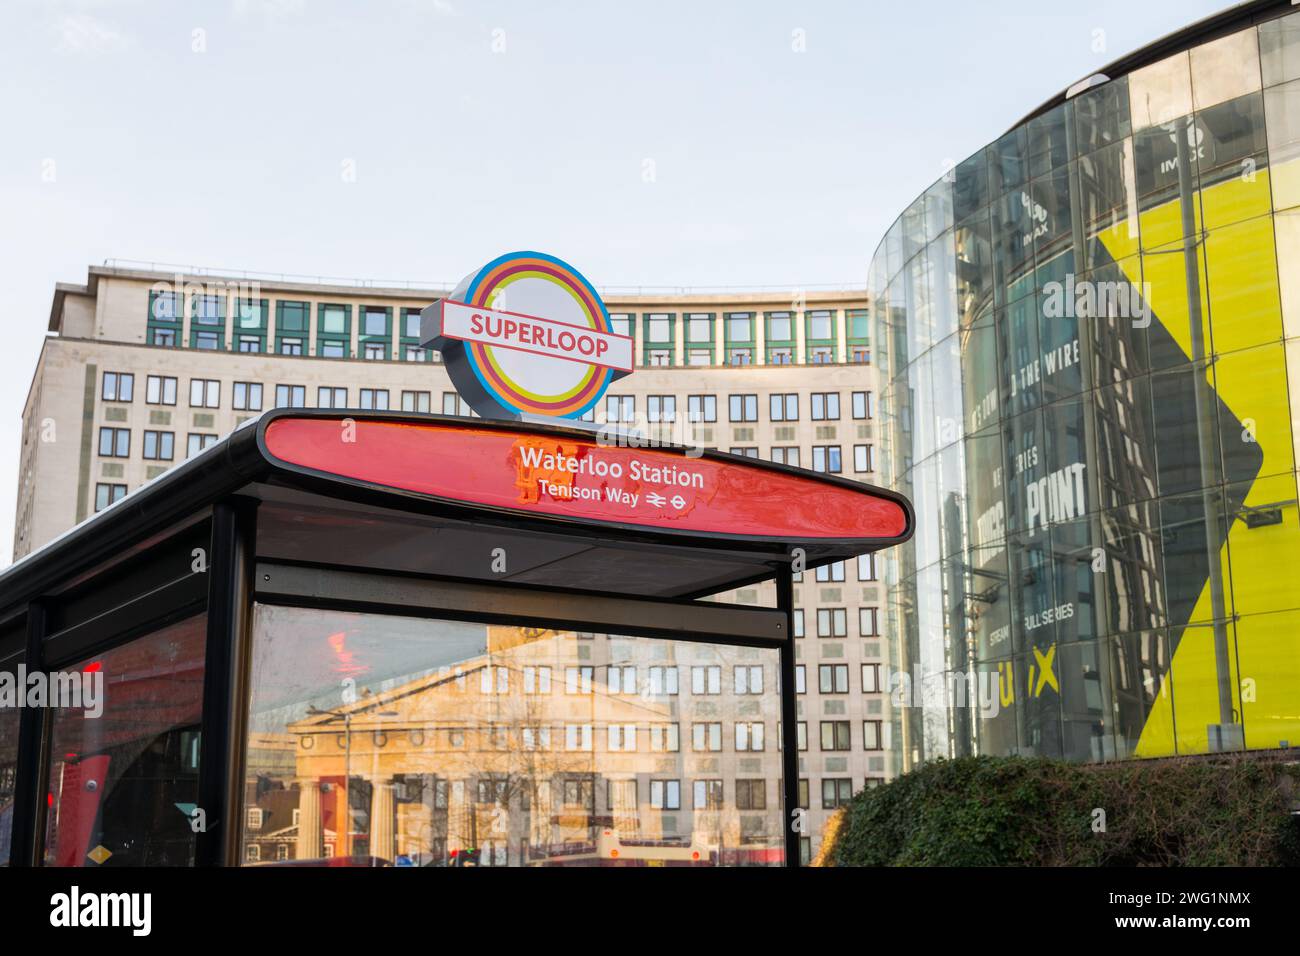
{"x":1008,"y":162}
{"x":116,"y":780}
{"x":495,"y":745}
{"x":1047,"y":139}
{"x":9,"y":717}
{"x":938,"y":209}
{"x":970,"y":190}
{"x":1108,"y":200}
{"x":1140,"y":678}
{"x":1160,"y":92}
{"x":1014,"y":221}
{"x":974,"y":265}
{"x":1279,"y":49}
{"x":1131,"y":589}
{"x":1244,"y":302}
{"x":1101,"y":115}
{"x":1225,"y":68}
{"x":1082,"y":671}
{"x":1282,"y":109}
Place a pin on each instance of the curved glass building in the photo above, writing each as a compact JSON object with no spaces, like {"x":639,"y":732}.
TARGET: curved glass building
{"x":1090,"y":335}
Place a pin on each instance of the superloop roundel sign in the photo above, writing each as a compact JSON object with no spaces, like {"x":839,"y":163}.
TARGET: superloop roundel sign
{"x":527,"y":334}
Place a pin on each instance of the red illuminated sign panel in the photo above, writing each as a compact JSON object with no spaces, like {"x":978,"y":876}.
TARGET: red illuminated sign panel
{"x":566,"y":475}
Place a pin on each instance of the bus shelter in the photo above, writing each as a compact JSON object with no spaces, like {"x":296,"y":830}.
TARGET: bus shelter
{"x":339,"y":638}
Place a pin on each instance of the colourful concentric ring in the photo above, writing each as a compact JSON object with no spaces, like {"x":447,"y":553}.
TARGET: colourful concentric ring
{"x":497,"y":275}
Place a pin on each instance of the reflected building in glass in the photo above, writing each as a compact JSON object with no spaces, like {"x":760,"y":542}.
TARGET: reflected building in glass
{"x":1090,"y":359}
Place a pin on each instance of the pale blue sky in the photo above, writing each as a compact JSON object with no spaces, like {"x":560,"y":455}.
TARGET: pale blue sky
{"x":476,"y":128}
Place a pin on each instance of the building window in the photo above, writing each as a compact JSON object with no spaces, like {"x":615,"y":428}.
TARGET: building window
{"x":871,"y":735}
{"x":740,"y":356}
{"x":749,"y":735}
{"x":835,"y":735}
{"x":702,"y":408}
{"x":118,"y":387}
{"x":740,"y":326}
{"x":164,"y":307}
{"x":494,"y":680}
{"x":706,"y":736}
{"x":871,"y":678}
{"x":825,"y":406}
{"x":665,"y":738}
{"x":160,"y":390}
{"x":788,"y":455}
{"x":665,"y":794}
{"x":620,"y":323}
{"x":105,"y":495}
{"x":537,"y":680}
{"x":828,"y":573}
{"x":708,"y":794}
{"x":699,"y":327}
{"x":832,"y":622}
{"x":290,"y":346}
{"x":706,"y":680}
{"x":801,"y":742}
{"x":580,"y":792}
{"x":821,"y":325}
{"x":331,"y":397}
{"x":374,"y":399}
{"x":247,"y":396}
{"x":821,"y":355}
{"x":453,"y":404}
{"x":864,"y":458}
{"x":159,"y":446}
{"x":416,"y":402}
{"x":743,"y":408}
{"x":165,"y":337}
{"x":836,"y":792}
{"x":800,"y":679}
{"x":620,"y":408}
{"x":826,"y":458}
{"x":660,"y":357}
{"x":197,"y":442}
{"x":748,"y":679}
{"x":577,"y":737}
{"x":621,"y":678}
{"x":798,"y":621}
{"x":535,"y":738}
{"x":375,"y":352}
{"x":780,"y":327}
{"x":661,"y":408}
{"x":662,"y":681}
{"x":114,"y":442}
{"x":833,"y":678}
{"x":784,"y":407}
{"x":291,"y":396}
{"x":621,"y":738}
{"x":751,"y":794}
{"x":867,"y":567}
{"x":744,"y":451}
{"x":577,"y":680}
{"x":659,"y":327}
{"x":205,"y":393}
{"x":417,"y":353}
{"x":868,"y":623}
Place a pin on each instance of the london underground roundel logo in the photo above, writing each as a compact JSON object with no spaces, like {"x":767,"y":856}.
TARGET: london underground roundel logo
{"x":527,"y":335}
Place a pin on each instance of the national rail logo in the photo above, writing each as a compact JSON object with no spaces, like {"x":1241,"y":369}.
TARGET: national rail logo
{"x":527,"y":334}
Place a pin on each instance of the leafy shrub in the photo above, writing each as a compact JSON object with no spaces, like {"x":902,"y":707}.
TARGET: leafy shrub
{"x":1015,"y":811}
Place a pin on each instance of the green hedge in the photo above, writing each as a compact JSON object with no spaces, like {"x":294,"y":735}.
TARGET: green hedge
{"x":1013,"y":811}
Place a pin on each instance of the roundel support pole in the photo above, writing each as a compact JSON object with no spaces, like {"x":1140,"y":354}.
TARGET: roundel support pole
{"x":789,"y":720}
